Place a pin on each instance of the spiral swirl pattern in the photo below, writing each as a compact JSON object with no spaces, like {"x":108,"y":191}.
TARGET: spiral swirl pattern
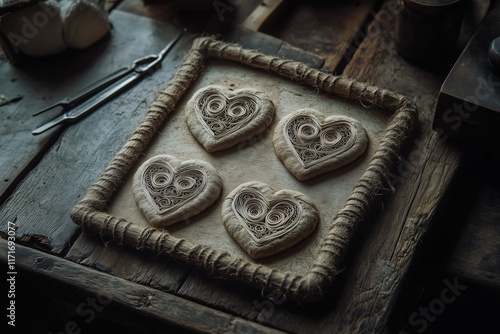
{"x":312,"y":142}
{"x":265,"y":220}
{"x":168,"y":189}
{"x":221,"y":115}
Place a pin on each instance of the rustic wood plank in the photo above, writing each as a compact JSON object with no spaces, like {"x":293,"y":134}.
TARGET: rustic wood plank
{"x":159,"y":272}
{"x":159,"y":10}
{"x":261,"y":14}
{"x":269,"y":45}
{"x":198,"y":15}
{"x":421,"y":180}
{"x":333,"y":28}
{"x":122,"y":298}
{"x":41,"y":204}
{"x":41,"y":82}
{"x":38,"y":83}
{"x":222,"y":18}
{"x":378,"y":275}
{"x":110,"y":4}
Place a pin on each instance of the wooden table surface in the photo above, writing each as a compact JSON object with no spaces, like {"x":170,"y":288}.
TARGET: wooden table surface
{"x":416,"y":242}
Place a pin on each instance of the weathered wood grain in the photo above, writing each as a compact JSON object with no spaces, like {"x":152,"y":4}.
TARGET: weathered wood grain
{"x":162,"y":273}
{"x":269,"y":45}
{"x":41,"y":204}
{"x":41,"y":82}
{"x":122,"y":298}
{"x":420,"y":182}
{"x":261,"y":14}
{"x":194,"y":14}
{"x":110,"y":4}
{"x":333,"y":28}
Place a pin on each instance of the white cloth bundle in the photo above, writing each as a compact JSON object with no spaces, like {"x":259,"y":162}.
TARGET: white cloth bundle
{"x":85,"y":22}
{"x":50,"y":27}
{"x":36,"y":30}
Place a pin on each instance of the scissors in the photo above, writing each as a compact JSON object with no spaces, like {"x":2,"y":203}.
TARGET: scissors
{"x":89,"y":99}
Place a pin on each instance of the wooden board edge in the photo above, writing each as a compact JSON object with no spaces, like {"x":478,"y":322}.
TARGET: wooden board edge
{"x":261,"y":14}
{"x":166,"y":309}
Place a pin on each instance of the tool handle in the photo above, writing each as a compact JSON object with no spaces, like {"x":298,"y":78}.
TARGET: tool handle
{"x":97,"y":86}
{"x":106,"y":95}
{"x":88,"y":106}
{"x":88,"y":91}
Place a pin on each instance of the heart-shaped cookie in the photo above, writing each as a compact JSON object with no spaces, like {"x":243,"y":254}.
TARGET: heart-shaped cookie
{"x":310,"y":144}
{"x":168,"y":190}
{"x":220,"y":118}
{"x":264,"y":222}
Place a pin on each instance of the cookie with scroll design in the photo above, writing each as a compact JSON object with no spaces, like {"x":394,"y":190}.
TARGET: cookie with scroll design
{"x":168,"y":190}
{"x":310,"y":144}
{"x":220,"y":118}
{"x":264,"y":222}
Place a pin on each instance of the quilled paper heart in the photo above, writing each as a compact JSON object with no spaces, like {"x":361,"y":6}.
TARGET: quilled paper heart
{"x":168,"y":190}
{"x":310,"y":144}
{"x":264,"y":222}
{"x":220,"y":118}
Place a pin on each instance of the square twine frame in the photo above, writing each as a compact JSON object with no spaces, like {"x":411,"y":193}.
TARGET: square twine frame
{"x":91,"y":212}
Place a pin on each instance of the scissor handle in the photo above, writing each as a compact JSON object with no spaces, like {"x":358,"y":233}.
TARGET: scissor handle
{"x":144,"y":60}
{"x":159,"y":57}
{"x":147,"y":66}
{"x":98,"y":86}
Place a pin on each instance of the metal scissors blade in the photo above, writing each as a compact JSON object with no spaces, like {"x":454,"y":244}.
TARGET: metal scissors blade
{"x":121,"y":79}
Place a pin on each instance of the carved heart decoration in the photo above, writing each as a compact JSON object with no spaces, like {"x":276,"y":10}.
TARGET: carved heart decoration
{"x":264,"y":222}
{"x":310,"y":144}
{"x":168,"y":190}
{"x":220,"y":118}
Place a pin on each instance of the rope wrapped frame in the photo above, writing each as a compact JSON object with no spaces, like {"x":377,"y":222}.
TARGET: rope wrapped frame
{"x":91,"y":212}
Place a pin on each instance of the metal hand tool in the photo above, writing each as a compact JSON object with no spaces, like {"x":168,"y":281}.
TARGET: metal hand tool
{"x":100,"y":92}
